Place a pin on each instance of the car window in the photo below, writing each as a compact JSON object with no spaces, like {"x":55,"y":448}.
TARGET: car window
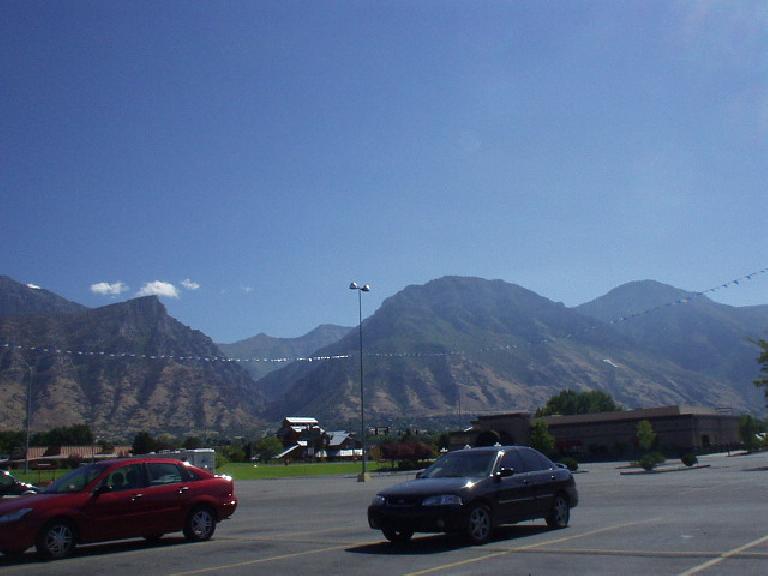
{"x":511,"y":459}
{"x":189,"y":475}
{"x":125,"y":478}
{"x":164,"y":473}
{"x":461,"y":464}
{"x":534,"y":461}
{"x":76,"y":480}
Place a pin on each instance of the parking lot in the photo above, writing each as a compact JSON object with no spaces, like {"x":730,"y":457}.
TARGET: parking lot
{"x":709,"y":521}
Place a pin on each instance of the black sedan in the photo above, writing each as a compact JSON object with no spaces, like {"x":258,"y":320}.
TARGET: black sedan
{"x":473,"y":490}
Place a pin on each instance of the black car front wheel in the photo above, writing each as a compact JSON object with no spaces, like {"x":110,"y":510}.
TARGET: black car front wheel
{"x":397,"y":535}
{"x":479,"y":524}
{"x":560,"y":513}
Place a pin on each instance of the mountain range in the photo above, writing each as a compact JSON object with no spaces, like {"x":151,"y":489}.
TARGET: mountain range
{"x":454,"y":345}
{"x":468,"y":344}
{"x":265,"y":354}
{"x":117,"y":368}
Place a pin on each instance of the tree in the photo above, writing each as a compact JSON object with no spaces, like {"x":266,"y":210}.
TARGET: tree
{"x":748,"y":429}
{"x":645,"y":435}
{"x":541,"y":439}
{"x":408,"y":450}
{"x":165,"y":441}
{"x":143,"y":443}
{"x":9,"y":441}
{"x":77,"y":435}
{"x":488,"y":438}
{"x":192,"y":443}
{"x":234,"y":453}
{"x":268,"y":447}
{"x":569,"y":402}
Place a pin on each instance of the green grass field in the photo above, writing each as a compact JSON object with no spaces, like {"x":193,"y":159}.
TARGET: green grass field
{"x":37,"y":476}
{"x":264,"y":471}
{"x":240,"y":471}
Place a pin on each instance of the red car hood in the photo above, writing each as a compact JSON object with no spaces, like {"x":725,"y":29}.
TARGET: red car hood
{"x":27,"y":501}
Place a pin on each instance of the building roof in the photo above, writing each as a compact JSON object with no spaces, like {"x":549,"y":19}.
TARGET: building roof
{"x":293,"y":420}
{"x":622,"y":415}
{"x":503,"y":415}
{"x":337,"y":438}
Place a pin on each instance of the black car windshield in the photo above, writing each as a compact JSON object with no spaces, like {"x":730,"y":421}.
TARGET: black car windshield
{"x":76,"y":480}
{"x":461,"y":465}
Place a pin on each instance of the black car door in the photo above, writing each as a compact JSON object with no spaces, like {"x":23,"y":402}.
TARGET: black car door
{"x":515,"y":493}
{"x":542,"y":477}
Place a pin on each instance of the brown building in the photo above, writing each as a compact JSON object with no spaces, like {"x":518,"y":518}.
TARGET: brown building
{"x":507,"y":429}
{"x":611,"y":434}
{"x":678,"y":429}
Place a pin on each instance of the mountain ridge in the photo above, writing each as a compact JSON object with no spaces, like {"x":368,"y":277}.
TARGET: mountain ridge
{"x":119,"y":369}
{"x":450,"y":346}
{"x":485,"y":345}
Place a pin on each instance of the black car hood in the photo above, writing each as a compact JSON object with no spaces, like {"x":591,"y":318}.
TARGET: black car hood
{"x":432,"y":486}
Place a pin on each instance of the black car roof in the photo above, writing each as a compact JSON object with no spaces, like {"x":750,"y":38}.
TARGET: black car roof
{"x":492,"y":448}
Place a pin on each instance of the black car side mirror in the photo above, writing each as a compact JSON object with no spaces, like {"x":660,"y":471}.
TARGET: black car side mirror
{"x":503,"y":473}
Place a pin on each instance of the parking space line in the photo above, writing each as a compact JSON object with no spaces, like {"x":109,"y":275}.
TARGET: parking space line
{"x":639,"y":553}
{"x":283,"y":535}
{"x":506,"y":551}
{"x":269,"y":559}
{"x":724,"y":556}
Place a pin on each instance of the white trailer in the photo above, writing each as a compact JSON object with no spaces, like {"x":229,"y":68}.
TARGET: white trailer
{"x":201,"y":457}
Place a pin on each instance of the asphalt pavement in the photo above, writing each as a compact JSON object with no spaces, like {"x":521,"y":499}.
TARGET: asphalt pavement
{"x":710,"y":521}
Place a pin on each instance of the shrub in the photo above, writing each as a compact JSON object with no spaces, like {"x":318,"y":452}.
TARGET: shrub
{"x":689,"y":459}
{"x":410,"y":465}
{"x":649,"y":461}
{"x":570,"y":463}
{"x":73,"y":461}
{"x":221,"y":459}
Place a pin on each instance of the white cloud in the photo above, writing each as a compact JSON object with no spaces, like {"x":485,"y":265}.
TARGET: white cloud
{"x":33,"y":286}
{"x":158,"y":288}
{"x":109,"y":288}
{"x":189,"y":285}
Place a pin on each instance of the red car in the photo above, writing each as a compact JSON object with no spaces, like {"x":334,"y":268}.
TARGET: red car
{"x":115,"y":499}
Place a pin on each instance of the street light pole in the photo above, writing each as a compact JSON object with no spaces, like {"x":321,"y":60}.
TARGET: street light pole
{"x":363,"y":435}
{"x":28,"y":419}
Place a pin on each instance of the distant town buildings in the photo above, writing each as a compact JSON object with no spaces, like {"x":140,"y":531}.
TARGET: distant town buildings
{"x":303,"y":438}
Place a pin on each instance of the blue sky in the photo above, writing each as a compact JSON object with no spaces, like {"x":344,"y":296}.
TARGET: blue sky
{"x":269,"y":153}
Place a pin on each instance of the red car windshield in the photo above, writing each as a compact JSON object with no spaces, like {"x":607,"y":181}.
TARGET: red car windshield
{"x":76,"y":480}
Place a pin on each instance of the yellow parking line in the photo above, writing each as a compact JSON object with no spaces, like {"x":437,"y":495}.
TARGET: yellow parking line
{"x":723,"y":556}
{"x":529,"y":547}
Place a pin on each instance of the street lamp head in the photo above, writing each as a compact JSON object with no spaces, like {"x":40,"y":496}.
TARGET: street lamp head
{"x":366,"y":288}
{"x":353,"y":286}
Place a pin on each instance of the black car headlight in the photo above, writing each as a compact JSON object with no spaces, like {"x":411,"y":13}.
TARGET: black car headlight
{"x":15,"y":515}
{"x":378,"y":500}
{"x":442,"y":500}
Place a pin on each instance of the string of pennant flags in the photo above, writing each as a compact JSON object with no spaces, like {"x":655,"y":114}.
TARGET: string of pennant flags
{"x":319,"y":358}
{"x":197,"y":358}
